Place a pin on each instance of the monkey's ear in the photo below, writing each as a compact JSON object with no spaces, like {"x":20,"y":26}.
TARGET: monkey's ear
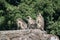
{"x":39,"y":14}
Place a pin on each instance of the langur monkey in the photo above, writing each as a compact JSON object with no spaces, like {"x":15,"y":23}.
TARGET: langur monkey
{"x":21,"y":24}
{"x":40,"y":21}
{"x":31,"y":23}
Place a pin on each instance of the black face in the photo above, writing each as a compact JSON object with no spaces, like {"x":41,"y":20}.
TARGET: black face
{"x":27,"y":17}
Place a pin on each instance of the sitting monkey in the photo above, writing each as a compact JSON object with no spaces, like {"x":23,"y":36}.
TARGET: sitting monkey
{"x":31,"y":22}
{"x":40,"y":21}
{"x":21,"y":24}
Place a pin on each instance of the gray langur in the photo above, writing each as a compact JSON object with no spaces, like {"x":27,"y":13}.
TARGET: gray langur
{"x":21,"y":24}
{"x":31,"y":23}
{"x":40,"y":21}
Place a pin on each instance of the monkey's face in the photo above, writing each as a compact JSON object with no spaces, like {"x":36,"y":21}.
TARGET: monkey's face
{"x":19,"y":21}
{"x":28,"y":18}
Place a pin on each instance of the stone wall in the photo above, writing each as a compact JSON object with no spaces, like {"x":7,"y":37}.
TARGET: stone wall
{"x":28,"y":34}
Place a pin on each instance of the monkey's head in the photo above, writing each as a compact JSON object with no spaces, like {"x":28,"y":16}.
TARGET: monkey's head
{"x":28,"y":18}
{"x":18,"y":19}
{"x":39,"y":14}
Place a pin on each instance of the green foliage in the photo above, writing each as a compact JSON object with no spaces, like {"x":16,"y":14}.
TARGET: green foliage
{"x":10,"y":10}
{"x":2,"y":19}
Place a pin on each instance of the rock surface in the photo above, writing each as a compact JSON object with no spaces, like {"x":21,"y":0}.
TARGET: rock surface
{"x":28,"y":34}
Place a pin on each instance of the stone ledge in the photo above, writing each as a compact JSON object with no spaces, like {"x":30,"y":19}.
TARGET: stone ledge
{"x":28,"y":34}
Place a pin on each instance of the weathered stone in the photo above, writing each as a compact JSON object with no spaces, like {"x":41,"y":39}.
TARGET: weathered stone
{"x":28,"y":34}
{"x":53,"y":37}
{"x":4,"y":37}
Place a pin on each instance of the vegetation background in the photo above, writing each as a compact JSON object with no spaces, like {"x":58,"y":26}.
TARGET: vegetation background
{"x":10,"y":10}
